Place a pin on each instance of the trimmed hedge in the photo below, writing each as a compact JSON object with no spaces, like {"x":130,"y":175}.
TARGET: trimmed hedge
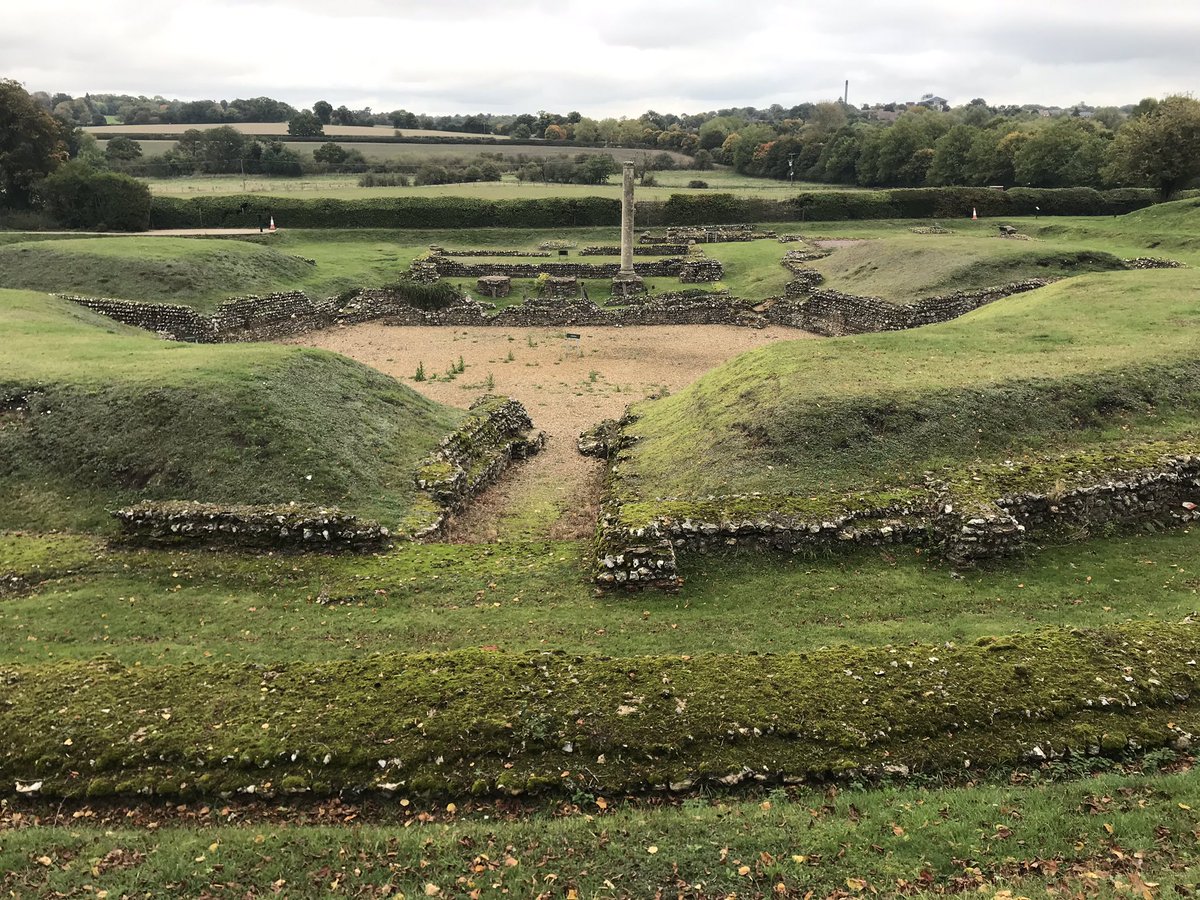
{"x":549,"y":723}
{"x":251,"y":210}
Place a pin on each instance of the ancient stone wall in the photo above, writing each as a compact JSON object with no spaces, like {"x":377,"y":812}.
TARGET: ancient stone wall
{"x":647,"y":250}
{"x":498,"y":431}
{"x":179,"y":323}
{"x":483,"y":251}
{"x":451,"y":268}
{"x":289,"y":527}
{"x":1166,"y":493}
{"x":833,"y":313}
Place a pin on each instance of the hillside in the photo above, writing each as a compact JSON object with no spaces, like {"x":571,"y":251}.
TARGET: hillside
{"x":169,"y":270}
{"x":94,"y":415}
{"x":906,"y":267}
{"x":1083,"y":360}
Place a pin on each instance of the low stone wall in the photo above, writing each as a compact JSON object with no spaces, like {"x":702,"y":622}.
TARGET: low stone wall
{"x":178,"y":323}
{"x":288,"y":527}
{"x":667,"y":267}
{"x":1165,"y":493}
{"x":805,"y":282}
{"x":715,"y":234}
{"x":558,"y":288}
{"x":498,"y":431}
{"x":494,"y":285}
{"x":1152,"y":262}
{"x":833,"y":313}
{"x":442,"y":251}
{"x":648,"y":250}
{"x":700,"y":269}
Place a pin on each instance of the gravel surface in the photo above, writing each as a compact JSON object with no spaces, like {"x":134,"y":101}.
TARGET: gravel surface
{"x":567,"y":385}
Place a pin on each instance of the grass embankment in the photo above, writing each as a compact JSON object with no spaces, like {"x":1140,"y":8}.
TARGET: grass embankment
{"x":494,"y":723}
{"x":903,"y":268}
{"x":1095,"y":358}
{"x":197,"y":273}
{"x":96,"y":415}
{"x":1111,"y":835}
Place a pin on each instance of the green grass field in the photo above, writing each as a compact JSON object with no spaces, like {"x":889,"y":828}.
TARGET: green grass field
{"x":274,"y":129}
{"x":908,"y":695}
{"x":346,"y":186}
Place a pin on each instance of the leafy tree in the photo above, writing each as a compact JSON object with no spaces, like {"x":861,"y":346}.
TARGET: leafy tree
{"x":1161,"y":148}
{"x":323,"y":110}
{"x":951,"y":156}
{"x":122,"y":149}
{"x":305,"y":124}
{"x":81,"y":197}
{"x":337,"y":155}
{"x":275,"y":158}
{"x":31,"y":145}
{"x":1068,"y":153}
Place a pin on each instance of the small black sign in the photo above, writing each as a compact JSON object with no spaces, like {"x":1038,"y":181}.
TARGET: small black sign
{"x":574,"y":336}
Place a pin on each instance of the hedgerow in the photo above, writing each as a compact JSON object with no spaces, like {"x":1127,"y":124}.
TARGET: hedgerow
{"x":249,"y":211}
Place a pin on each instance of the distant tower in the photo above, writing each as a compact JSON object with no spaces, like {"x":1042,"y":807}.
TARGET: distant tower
{"x":846,"y":96}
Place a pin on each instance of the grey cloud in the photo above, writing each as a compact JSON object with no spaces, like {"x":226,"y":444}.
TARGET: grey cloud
{"x":616,"y":58}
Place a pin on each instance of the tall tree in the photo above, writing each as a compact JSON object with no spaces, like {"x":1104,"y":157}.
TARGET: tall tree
{"x":1160,"y":148}
{"x":323,"y":110}
{"x":31,"y":145}
{"x":305,"y":124}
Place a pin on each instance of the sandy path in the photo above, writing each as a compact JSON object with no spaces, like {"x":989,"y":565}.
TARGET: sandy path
{"x":567,"y":386}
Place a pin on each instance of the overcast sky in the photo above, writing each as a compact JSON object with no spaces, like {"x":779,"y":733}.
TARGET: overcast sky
{"x":606,"y":57}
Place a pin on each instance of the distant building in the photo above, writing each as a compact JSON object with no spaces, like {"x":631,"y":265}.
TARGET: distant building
{"x":929,"y":101}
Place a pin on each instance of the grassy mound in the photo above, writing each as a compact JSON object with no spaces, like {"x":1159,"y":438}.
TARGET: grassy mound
{"x":95,"y":415}
{"x":904,"y":268}
{"x":196,"y":272}
{"x":489,"y":723}
{"x":1081,"y":361}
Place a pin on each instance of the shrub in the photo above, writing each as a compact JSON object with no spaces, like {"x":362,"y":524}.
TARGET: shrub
{"x":80,"y":197}
{"x":697,"y":183}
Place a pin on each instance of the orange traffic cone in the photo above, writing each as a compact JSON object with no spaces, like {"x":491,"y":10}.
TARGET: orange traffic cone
{"x":272,"y":228}
{"x":974,"y":218}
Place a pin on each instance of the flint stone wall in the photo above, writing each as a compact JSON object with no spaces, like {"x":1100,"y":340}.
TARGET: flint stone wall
{"x":700,"y":269}
{"x":833,"y":313}
{"x":1167,"y":495}
{"x":451,"y":268}
{"x":1151,"y":262}
{"x":715,"y":234}
{"x":558,"y":288}
{"x":442,"y":251}
{"x":181,"y":323}
{"x":466,"y":461}
{"x":267,"y":527}
{"x":648,"y":250}
{"x":494,"y":285}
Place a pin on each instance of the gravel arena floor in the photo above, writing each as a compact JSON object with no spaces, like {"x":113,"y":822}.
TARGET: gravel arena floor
{"x":567,"y":385}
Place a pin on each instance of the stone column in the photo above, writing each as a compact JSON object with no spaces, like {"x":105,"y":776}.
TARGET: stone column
{"x":627,"y":282}
{"x":627,"y":218}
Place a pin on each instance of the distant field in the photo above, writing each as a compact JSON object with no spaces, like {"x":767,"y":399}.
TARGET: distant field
{"x":417,"y":153}
{"x":275,"y":128}
{"x":346,"y":186}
